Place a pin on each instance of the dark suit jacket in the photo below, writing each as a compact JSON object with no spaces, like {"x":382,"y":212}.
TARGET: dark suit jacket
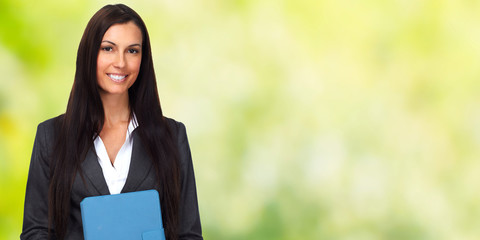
{"x":140,"y":177}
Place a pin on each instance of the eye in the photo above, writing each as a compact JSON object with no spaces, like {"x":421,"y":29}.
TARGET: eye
{"x":107,"y":49}
{"x":133,"y":51}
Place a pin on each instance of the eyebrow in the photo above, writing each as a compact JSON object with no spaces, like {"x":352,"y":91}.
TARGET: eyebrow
{"x":132,"y":45}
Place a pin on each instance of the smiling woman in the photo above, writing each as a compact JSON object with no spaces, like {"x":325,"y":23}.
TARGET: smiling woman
{"x":119,"y":58}
{"x":113,"y":137}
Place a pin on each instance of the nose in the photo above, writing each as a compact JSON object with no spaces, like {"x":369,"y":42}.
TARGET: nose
{"x":119,"y":61}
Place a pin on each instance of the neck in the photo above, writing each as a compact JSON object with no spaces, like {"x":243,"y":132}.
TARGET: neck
{"x":116,"y":108}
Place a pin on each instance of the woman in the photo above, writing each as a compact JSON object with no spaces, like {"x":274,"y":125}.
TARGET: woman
{"x":113,"y":137}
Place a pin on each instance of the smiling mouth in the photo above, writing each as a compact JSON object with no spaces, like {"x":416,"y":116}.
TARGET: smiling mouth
{"x":116,"y":77}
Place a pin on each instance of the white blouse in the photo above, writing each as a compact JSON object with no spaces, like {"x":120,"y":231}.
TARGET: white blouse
{"x":116,"y":174}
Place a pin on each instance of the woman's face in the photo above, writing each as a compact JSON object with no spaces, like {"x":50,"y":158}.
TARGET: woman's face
{"x":119,"y":58}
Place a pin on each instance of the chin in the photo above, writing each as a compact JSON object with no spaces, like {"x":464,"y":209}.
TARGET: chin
{"x":114,"y":91}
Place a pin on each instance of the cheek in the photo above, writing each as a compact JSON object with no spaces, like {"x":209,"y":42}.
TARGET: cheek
{"x":137,"y":64}
{"x":135,"y":69}
{"x":100,"y":64}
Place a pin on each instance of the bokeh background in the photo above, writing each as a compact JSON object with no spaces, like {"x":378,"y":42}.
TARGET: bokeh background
{"x":307,"y":119}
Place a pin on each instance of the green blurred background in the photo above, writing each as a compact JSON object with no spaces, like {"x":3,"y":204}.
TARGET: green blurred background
{"x":307,"y":119}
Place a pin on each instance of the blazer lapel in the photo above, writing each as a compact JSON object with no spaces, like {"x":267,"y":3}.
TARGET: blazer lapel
{"x":140,"y":165}
{"x":93,"y":171}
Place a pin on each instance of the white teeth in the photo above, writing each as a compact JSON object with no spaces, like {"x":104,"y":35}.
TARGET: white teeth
{"x":117,"y":77}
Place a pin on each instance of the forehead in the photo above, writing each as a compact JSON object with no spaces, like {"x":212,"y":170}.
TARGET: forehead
{"x":128,"y":33}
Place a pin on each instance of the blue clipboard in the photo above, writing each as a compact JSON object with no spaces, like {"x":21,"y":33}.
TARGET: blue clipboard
{"x":132,"y":216}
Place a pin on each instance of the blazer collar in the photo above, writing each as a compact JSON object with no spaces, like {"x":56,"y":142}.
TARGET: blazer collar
{"x":140,"y":166}
{"x":93,"y":171}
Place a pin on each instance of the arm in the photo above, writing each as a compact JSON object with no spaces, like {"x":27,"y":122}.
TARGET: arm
{"x":35,"y":218}
{"x":189,"y":226}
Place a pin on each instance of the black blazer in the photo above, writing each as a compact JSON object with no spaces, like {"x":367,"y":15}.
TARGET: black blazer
{"x":140,"y":177}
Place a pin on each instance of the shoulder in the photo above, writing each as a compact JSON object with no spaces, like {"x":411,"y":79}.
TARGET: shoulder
{"x":52,"y":123}
{"x":49,"y":127}
{"x":177,"y":128}
{"x":45,"y":138}
{"x":179,"y":134}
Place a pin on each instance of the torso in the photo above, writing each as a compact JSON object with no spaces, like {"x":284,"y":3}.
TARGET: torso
{"x":113,"y":138}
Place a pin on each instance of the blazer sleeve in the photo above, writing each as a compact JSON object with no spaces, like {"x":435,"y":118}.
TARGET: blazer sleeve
{"x":189,"y":226}
{"x":35,"y":218}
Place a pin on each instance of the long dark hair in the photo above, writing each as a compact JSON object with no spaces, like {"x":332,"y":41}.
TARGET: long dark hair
{"x":84,"y":119}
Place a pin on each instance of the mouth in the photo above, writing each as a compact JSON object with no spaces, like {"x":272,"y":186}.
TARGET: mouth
{"x":117,"y":78}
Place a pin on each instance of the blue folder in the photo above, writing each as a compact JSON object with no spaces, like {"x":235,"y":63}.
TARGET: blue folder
{"x":134,"y":215}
